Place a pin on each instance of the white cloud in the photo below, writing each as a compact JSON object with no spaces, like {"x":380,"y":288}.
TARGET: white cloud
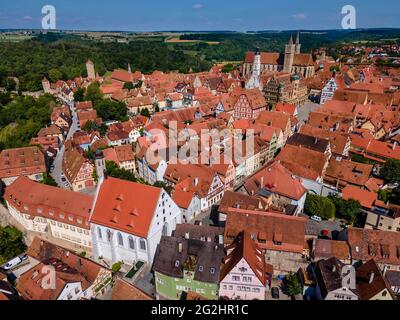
{"x":198,"y":6}
{"x":299,"y":16}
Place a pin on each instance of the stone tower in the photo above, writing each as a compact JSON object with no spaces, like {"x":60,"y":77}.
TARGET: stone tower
{"x":46,"y":85}
{"x":298,"y":45}
{"x":90,"y":70}
{"x":100,"y":163}
{"x":254,"y":81}
{"x":290,"y":50}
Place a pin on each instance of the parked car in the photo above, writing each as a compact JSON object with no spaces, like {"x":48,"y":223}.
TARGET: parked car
{"x":14,"y":262}
{"x":275,"y":293}
{"x":316,"y":218}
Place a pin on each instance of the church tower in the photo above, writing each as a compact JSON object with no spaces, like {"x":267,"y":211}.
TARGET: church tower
{"x":254,"y":81}
{"x":100,"y":163}
{"x":290,"y":50}
{"x":90,"y":70}
{"x":298,"y":45}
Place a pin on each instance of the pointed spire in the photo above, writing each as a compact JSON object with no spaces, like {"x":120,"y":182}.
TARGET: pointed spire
{"x":298,"y":38}
{"x":129,"y":68}
{"x":291,"y":39}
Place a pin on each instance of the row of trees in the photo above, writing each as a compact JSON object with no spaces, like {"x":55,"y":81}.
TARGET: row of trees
{"x":11,"y":243}
{"x":333,"y":206}
{"x":64,"y":58}
{"x":22,"y":118}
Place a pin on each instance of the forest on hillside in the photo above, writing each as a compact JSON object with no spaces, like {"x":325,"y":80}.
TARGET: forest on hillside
{"x":63,"y":56}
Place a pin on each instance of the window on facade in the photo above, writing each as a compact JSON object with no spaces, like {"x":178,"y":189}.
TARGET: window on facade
{"x":165,"y":230}
{"x":131,"y":243}
{"x":142,"y":244}
{"x":99,"y":233}
{"x":109,"y":235}
{"x":212,"y":270}
{"x":120,"y":240}
{"x":201,"y":268}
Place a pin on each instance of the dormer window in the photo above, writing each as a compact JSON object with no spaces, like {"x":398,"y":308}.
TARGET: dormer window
{"x":201,"y":268}
{"x":212,"y":270}
{"x":177,"y":263}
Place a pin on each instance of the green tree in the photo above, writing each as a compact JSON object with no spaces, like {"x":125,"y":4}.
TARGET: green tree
{"x":162,"y":184}
{"x":88,"y":127}
{"x":129,"y":86}
{"x":145,"y":112}
{"x":55,"y":75}
{"x":391,"y":171}
{"x":79,"y":95}
{"x":319,"y":206}
{"x":11,"y":243}
{"x":293,"y":285}
{"x":348,"y":210}
{"x":114,"y":171}
{"x":116,"y":267}
{"x":48,"y":180}
{"x":93,"y":93}
{"x":110,"y":110}
{"x":11,"y":85}
{"x":228,"y":68}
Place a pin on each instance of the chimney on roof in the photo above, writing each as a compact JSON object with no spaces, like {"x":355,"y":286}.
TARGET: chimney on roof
{"x":196,"y":181}
{"x":129,"y":68}
{"x":395,"y":145}
{"x":180,"y":247}
{"x":187,"y":235}
{"x":262,"y":182}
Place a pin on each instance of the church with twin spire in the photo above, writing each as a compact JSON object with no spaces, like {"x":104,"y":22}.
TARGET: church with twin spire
{"x":292,"y":61}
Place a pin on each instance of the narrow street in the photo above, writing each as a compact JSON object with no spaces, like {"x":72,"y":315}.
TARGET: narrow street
{"x":56,"y":173}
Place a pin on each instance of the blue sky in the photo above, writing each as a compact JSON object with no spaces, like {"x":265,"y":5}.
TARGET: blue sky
{"x":152,"y":15}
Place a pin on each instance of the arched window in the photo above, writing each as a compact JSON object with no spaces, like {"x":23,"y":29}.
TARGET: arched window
{"x":120,"y":240}
{"x":165,"y":230}
{"x":99,"y":233}
{"x":109,"y":235}
{"x":143,"y":244}
{"x":131,"y":243}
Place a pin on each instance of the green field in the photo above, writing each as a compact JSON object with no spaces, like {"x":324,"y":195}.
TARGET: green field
{"x":13,"y":38}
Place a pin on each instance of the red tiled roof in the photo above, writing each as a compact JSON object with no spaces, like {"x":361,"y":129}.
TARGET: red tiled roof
{"x":277,"y":232}
{"x":126,"y":206}
{"x":21,"y":161}
{"x":276,"y":179}
{"x":286,"y":108}
{"x":274,"y":119}
{"x":124,"y":291}
{"x":183,"y":198}
{"x":303,"y":162}
{"x":366,"y":198}
{"x":382,"y":246}
{"x":84,"y":105}
{"x":40,"y":200}
{"x":245,"y":248}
